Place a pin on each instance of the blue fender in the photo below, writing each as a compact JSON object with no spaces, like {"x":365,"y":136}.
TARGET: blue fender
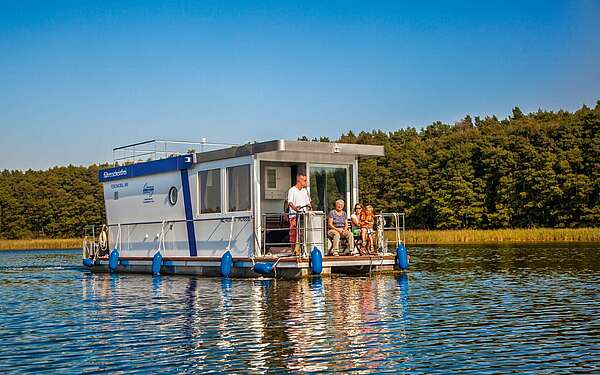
{"x":226,"y":264}
{"x":316,"y":261}
{"x":113,"y":260}
{"x":263,"y":268}
{"x":157,"y":261}
{"x":88,"y":262}
{"x":401,"y":257}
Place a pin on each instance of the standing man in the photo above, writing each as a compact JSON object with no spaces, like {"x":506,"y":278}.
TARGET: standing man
{"x":297,"y":199}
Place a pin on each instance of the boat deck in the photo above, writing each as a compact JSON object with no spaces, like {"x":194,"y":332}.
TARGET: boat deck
{"x":286,"y":267}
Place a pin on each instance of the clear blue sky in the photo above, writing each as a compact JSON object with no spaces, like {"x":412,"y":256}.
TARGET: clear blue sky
{"x":77,"y":78}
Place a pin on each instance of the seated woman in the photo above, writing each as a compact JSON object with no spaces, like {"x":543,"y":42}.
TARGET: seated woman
{"x":355,"y":218}
{"x":337,"y":227}
{"x":367,"y":219}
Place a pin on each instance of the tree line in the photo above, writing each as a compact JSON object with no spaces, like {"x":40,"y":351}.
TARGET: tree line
{"x":55,"y":203}
{"x":540,"y":169}
{"x":536,"y":170}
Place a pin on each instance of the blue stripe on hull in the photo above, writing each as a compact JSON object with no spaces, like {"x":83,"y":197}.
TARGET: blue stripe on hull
{"x":146,"y":168}
{"x":189,"y":217}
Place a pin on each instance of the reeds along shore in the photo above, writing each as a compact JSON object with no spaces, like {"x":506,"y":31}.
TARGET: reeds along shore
{"x":413,"y":237}
{"x":40,"y":244}
{"x":497,"y":236}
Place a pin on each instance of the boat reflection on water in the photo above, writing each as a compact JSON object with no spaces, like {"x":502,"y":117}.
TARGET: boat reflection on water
{"x":461,"y":309}
{"x":303,"y":325}
{"x":458,"y":309}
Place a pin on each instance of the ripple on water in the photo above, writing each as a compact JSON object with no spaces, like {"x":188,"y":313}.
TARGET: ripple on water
{"x":479,"y":310}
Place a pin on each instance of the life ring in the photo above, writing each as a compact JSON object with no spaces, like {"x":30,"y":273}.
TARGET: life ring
{"x":103,"y":239}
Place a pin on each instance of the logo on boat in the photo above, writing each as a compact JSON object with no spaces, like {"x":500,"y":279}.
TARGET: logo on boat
{"x":118,"y":173}
{"x":148,"y":191}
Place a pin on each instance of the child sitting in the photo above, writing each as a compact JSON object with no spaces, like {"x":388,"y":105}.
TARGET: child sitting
{"x":367,"y":220}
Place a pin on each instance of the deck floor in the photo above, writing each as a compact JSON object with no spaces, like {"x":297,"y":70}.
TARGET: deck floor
{"x":327,"y":258}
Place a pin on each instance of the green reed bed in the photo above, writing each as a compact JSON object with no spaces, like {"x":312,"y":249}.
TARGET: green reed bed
{"x":481,"y":236}
{"x":46,"y":243}
{"x":413,"y":237}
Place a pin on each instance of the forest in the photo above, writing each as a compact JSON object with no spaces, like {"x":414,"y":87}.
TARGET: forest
{"x":55,"y":203}
{"x":540,"y":169}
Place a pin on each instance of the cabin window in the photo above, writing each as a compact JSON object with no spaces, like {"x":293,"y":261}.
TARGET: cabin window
{"x":238,"y":188}
{"x":210,"y":191}
{"x":328,"y":184}
{"x":271,"y":178}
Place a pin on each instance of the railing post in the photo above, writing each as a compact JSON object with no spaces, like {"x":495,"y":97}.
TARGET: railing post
{"x":403,"y":229}
{"x":162,"y":238}
{"x":119,"y":239}
{"x":325,"y":237}
{"x":263,"y":234}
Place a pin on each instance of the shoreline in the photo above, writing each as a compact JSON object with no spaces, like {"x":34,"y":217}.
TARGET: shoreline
{"x":42,"y":244}
{"x":501,"y":236}
{"x":414,"y":237}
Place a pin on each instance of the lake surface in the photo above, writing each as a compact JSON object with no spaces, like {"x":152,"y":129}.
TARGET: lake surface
{"x":471,"y":309}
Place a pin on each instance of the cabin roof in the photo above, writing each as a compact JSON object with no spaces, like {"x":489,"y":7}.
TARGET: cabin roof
{"x":184,"y":161}
{"x":282,"y":145}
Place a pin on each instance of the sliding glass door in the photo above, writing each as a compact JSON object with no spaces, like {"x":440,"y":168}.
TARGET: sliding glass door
{"x":329,"y":183}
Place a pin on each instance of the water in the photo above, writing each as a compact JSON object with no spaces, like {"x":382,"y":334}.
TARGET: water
{"x":470,"y":309}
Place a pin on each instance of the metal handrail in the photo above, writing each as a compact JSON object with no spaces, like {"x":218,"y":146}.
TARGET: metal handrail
{"x":399,"y":230}
{"x":223,"y":219}
{"x":302,"y":231}
{"x":164,"y":223}
{"x":395,"y":222}
{"x":161,"y":148}
{"x":265,"y":231}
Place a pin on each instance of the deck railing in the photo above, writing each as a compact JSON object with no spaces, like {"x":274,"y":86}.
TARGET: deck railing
{"x":310,"y":231}
{"x":390,"y":224}
{"x":162,"y":148}
{"x":95,"y":242}
{"x":118,"y":231}
{"x":390,"y":229}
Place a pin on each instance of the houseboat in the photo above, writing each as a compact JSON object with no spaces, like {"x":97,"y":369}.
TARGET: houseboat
{"x":220,"y":210}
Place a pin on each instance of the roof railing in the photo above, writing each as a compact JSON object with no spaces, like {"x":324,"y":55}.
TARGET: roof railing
{"x":162,"y":148}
